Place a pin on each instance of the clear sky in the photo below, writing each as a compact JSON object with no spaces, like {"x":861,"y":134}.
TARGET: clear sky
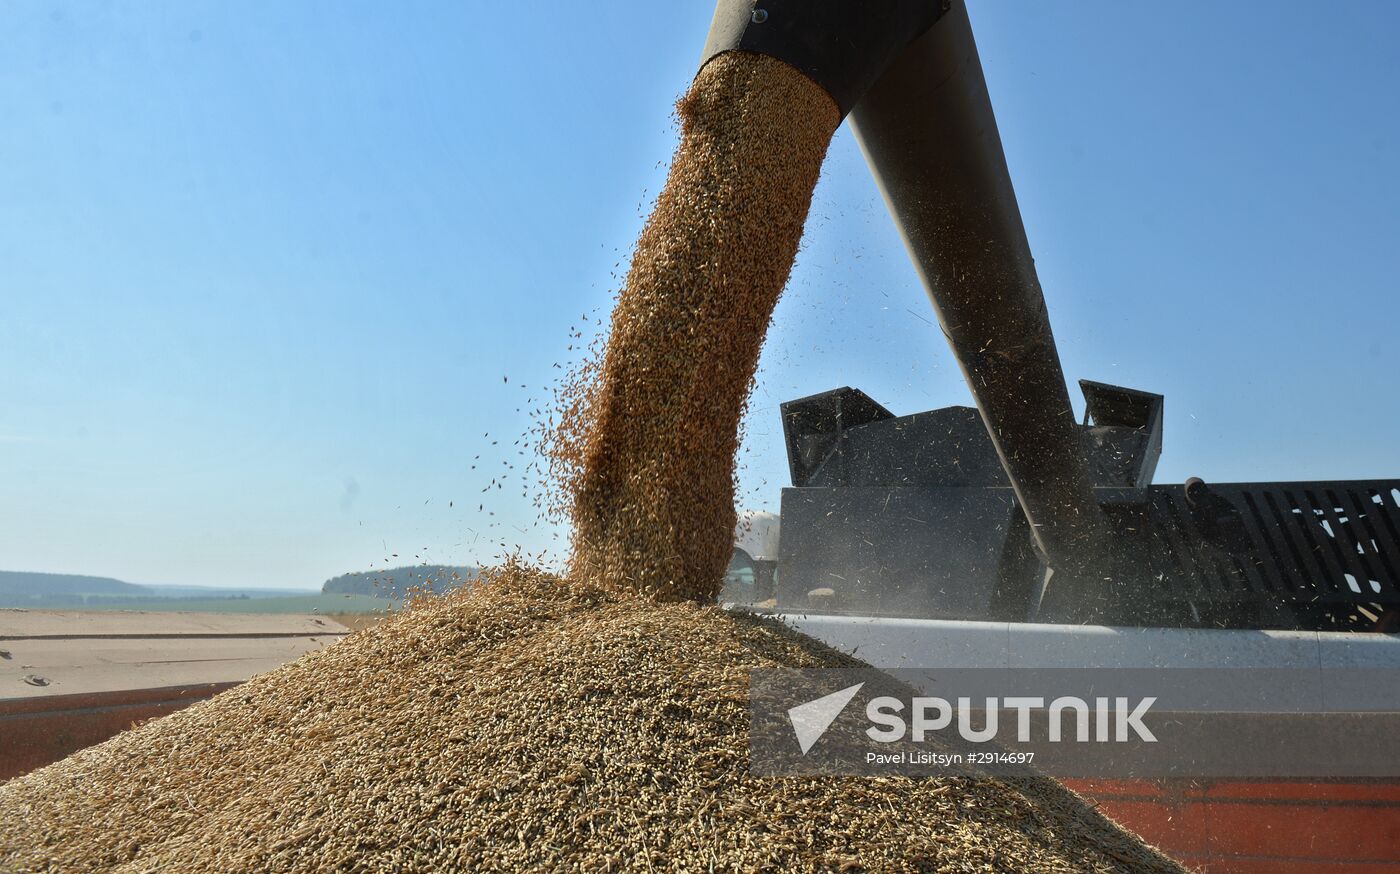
{"x":270,"y":271}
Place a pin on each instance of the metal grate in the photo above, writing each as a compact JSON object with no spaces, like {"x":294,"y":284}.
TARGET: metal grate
{"x":1305,"y":542}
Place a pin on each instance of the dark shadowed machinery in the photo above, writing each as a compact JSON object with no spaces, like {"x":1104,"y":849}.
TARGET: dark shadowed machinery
{"x":1014,"y":510}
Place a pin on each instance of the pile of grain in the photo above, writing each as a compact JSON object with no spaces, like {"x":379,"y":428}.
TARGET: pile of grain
{"x":646,"y":451}
{"x":529,"y":725}
{"x":535,"y":723}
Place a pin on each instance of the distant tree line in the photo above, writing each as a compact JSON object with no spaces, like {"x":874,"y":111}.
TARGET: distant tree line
{"x":400,"y":581}
{"x":26,"y":584}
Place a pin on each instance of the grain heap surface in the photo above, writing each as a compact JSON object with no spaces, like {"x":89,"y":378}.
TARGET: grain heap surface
{"x":648,"y":443}
{"x":530,"y":724}
{"x":534,"y":723}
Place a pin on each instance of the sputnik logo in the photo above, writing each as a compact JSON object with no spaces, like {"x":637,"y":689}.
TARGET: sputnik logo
{"x":811,"y":720}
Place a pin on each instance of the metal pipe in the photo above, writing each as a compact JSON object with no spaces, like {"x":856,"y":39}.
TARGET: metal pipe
{"x":929,"y":134}
{"x":842,"y":45}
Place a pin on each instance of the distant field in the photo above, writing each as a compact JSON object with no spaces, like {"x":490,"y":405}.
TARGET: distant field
{"x":356,"y":621}
{"x":292,"y":604}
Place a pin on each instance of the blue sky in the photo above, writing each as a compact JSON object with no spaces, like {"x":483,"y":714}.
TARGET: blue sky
{"x":272,"y":270}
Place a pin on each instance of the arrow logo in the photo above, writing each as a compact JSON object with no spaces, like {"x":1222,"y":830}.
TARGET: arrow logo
{"x":811,"y":720}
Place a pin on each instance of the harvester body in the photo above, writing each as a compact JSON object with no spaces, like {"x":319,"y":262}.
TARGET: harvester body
{"x":1015,"y":511}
